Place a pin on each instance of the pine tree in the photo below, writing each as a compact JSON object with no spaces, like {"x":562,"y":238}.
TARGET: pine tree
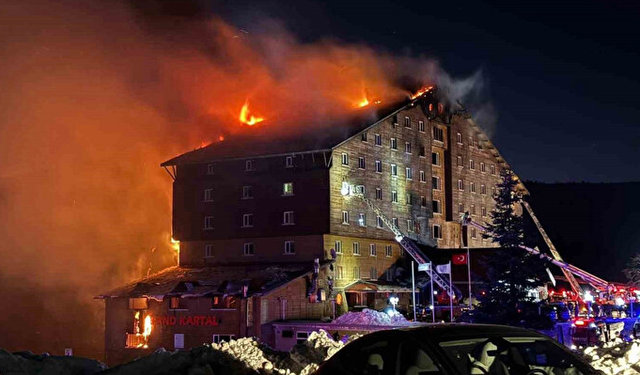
{"x":511,"y":271}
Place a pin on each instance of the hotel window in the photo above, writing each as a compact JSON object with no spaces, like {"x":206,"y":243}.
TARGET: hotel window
{"x":362,"y":220}
{"x":177,"y":303}
{"x":394,"y":170}
{"x":473,"y":209}
{"x":394,"y":120}
{"x":289,"y":248}
{"x":394,"y":220}
{"x":483,"y":167}
{"x":460,"y":208}
{"x":208,"y":195}
{"x":435,"y":158}
{"x":374,"y":274}
{"x":437,"y":232}
{"x":363,"y":136}
{"x":211,"y":168}
{"x":221,"y":302}
{"x":379,"y":222}
{"x":356,"y":248}
{"x":220,"y":338}
{"x":361,"y":164}
{"x":208,"y":251}
{"x":472,"y":187}
{"x":435,"y":182}
{"x":483,"y":189}
{"x":438,"y":134}
{"x":178,"y":340}
{"x":410,"y":225}
{"x":423,"y":176}
{"x":247,"y":220}
{"x":492,"y":168}
{"x":208,"y":222}
{"x":460,"y":185}
{"x":345,"y":158}
{"x":339,"y":273}
{"x":378,"y":140}
{"x":423,"y":152}
{"x":338,"y":247}
{"x":378,"y":193}
{"x":394,"y":196}
{"x":407,"y":122}
{"x":361,"y":189}
{"x":248,"y":165}
{"x":288,"y":218}
{"x":423,"y":201}
{"x":409,"y":198}
{"x":287,"y":188}
{"x":372,"y":250}
{"x":470,"y":141}
{"x":388,"y":250}
{"x":388,"y":274}
{"x":484,"y":211}
{"x":247,"y":192}
{"x":459,"y":138}
{"x":473,"y":232}
{"x":459,"y":161}
{"x":436,"y":207}
{"x":407,"y":147}
{"x":378,"y":166}
{"x":394,"y":143}
{"x":288,"y":162}
{"x":356,"y":272}
{"x":345,"y":217}
{"x":408,"y":173}
{"x":472,"y":164}
{"x":247,"y":249}
{"x":421,"y":126}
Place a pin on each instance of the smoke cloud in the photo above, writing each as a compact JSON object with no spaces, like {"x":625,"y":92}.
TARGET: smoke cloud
{"x":95,"y":95}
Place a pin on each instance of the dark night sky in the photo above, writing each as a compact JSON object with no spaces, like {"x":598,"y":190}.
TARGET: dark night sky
{"x":563,"y":77}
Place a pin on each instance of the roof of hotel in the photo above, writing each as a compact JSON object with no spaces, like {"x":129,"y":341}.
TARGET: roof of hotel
{"x":213,"y":280}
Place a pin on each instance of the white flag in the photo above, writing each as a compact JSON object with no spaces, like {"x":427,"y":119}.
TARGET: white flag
{"x":444,"y":268}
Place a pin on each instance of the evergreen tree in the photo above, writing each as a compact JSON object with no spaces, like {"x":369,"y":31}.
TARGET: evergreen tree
{"x":512,"y":272}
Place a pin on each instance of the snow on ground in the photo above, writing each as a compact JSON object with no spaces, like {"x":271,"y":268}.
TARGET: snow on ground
{"x":372,"y":317}
{"x":619,"y":357}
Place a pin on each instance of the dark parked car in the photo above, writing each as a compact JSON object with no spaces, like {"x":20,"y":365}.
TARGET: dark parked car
{"x":456,"y":349}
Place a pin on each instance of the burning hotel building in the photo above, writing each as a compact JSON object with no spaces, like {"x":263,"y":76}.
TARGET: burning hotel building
{"x":266,"y":237}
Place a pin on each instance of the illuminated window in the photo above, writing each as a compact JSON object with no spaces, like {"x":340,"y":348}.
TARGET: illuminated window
{"x":394,"y":196}
{"x":345,"y":217}
{"x":362,"y":220}
{"x":379,"y":222}
{"x":483,"y":189}
{"x":288,"y":218}
{"x":287,"y":188}
{"x":372,"y":250}
{"x":211,"y":168}
{"x":459,"y":138}
{"x":436,"y":207}
{"x":345,"y":159}
{"x":440,"y":108}
{"x":460,"y":185}
{"x":410,"y":225}
{"x":438,"y":134}
{"x":247,"y":192}
{"x":247,"y":220}
{"x":423,"y":176}
{"x":208,"y":222}
{"x":338,"y":247}
{"x":407,"y":147}
{"x":378,"y":140}
{"x":394,"y":170}
{"x":459,"y":162}
{"x":388,"y":250}
{"x":407,"y":122}
{"x":472,"y":187}
{"x":178,"y":341}
{"x":437,"y":231}
{"x":247,"y":249}
{"x":356,"y":272}
{"x":378,"y":193}
{"x":221,"y":302}
{"x":356,"y":248}
{"x":393,"y":143}
{"x":288,"y":162}
{"x":289,"y":248}
{"x":378,"y":166}
{"x":208,"y":195}
{"x":177,"y":303}
{"x":248,"y":165}
{"x":363,"y":136}
{"x":484,"y":211}
{"x":435,"y":182}
{"x":339,"y":273}
{"x":208,"y":251}
{"x":472,"y":164}
{"x":361,"y":189}
{"x":408,"y":173}
{"x":421,"y":126}
{"x":483,"y":167}
{"x":492,"y":168}
{"x":435,"y":158}
{"x":361,"y":164}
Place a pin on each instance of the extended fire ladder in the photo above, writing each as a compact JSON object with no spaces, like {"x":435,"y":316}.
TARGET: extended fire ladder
{"x":595,"y":281}
{"x":407,"y":244}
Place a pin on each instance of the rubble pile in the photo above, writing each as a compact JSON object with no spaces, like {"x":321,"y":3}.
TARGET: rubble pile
{"x":617,"y":357}
{"x":44,"y":364}
{"x":372,"y":317}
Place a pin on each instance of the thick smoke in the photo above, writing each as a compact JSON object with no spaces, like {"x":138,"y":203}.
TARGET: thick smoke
{"x":94,"y":97}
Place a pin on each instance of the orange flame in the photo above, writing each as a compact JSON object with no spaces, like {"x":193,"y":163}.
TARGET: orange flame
{"x":147,"y":328}
{"x":175,"y":244}
{"x":246,"y":117}
{"x":421,"y":92}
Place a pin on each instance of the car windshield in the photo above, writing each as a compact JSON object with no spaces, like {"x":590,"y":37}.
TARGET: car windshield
{"x":512,"y":356}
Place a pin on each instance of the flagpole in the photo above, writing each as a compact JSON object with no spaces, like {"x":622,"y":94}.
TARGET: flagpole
{"x":433,"y":305}
{"x":451,"y":295}
{"x":469,"y":273}
{"x":413,"y":290}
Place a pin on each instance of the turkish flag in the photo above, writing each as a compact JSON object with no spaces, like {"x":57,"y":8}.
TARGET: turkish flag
{"x":459,"y":259}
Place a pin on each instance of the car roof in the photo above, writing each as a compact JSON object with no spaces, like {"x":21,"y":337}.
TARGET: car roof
{"x":452,"y":331}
